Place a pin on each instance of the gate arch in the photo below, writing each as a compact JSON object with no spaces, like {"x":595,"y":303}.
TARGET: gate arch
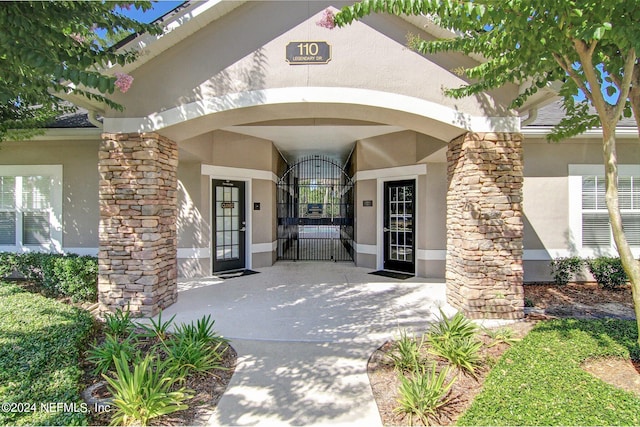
{"x":315,"y":211}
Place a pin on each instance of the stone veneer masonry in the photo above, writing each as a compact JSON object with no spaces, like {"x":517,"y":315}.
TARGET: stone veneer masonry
{"x":138,"y":208}
{"x":484,"y":225}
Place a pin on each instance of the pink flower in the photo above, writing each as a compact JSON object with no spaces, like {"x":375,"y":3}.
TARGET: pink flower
{"x":328,"y":20}
{"x":78,"y":38}
{"x":123,"y":82}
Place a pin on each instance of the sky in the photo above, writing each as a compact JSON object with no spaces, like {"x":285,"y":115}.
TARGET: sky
{"x":158,"y":9}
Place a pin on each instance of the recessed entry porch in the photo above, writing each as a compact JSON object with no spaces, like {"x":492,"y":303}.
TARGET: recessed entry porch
{"x":308,"y":302}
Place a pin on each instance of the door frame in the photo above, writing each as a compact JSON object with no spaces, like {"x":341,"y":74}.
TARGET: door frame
{"x":380,"y":218}
{"x":248,"y":215}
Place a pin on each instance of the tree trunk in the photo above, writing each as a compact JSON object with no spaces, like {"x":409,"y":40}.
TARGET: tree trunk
{"x":629,"y":263}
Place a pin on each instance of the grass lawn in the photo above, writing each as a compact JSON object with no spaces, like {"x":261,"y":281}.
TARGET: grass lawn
{"x":539,"y":380}
{"x":40,"y":344}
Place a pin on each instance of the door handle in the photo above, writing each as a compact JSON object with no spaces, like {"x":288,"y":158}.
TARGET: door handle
{"x":386,"y":230}
{"x":243,"y":229}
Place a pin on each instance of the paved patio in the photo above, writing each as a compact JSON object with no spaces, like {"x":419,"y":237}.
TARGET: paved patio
{"x":304,"y":332}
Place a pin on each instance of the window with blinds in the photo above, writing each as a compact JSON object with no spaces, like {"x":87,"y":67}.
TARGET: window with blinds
{"x":596,"y":230}
{"x":7,"y":210}
{"x":25,"y":210}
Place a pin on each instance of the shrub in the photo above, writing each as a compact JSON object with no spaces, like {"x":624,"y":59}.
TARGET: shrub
{"x":501,"y":335}
{"x":608,"y":272}
{"x":202,"y":331}
{"x":564,"y":268}
{"x":424,"y":393}
{"x":7,"y":263}
{"x":75,"y":276}
{"x":463,"y":353}
{"x":158,"y":329}
{"x":405,"y":354}
{"x":119,"y":324}
{"x":58,"y":275}
{"x":186,"y":355}
{"x":145,"y":392}
{"x":102,"y":355}
{"x":455,"y":340}
{"x":456,"y":327}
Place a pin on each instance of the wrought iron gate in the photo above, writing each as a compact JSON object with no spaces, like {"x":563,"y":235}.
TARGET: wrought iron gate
{"x":315,"y":212}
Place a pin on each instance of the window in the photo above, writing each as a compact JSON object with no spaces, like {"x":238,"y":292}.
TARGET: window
{"x":593,"y":217}
{"x":30,"y":207}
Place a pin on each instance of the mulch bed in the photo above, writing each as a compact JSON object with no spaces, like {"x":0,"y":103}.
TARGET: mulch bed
{"x":208,"y":389}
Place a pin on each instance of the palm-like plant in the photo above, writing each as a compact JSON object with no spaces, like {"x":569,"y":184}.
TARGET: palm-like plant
{"x":144,"y":392}
{"x":424,"y":393}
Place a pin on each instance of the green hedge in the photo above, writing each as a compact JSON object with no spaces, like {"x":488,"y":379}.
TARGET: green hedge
{"x":607,"y":271}
{"x":59,"y":275}
{"x":41,"y":340}
{"x":539,"y":380}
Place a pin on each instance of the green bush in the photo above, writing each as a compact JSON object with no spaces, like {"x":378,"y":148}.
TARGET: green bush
{"x":463,"y":353}
{"x":456,"y":327}
{"x":146,"y":392}
{"x":102,"y":355}
{"x":424,"y":393}
{"x":7,"y":263}
{"x":607,"y":271}
{"x":202,"y":331}
{"x":58,"y":275}
{"x":187,"y":355}
{"x":564,"y":268}
{"x":119,"y":324}
{"x":405,"y":354}
{"x":455,"y":340}
{"x":40,"y":345}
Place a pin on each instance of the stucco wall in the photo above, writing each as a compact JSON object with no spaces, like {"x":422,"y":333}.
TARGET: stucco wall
{"x":245,"y":51}
{"x":79,"y":160}
{"x":194,"y":232}
{"x":546,"y":195}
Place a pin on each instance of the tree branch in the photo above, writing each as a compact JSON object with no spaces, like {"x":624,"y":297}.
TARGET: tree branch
{"x":597,"y":98}
{"x":634,"y":94}
{"x":625,"y":87}
{"x":565,"y":64}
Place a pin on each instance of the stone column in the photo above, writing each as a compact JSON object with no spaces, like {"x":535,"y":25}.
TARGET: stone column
{"x":484,"y":225}
{"x":138,"y":209}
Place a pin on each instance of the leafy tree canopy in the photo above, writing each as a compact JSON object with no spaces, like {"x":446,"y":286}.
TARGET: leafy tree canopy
{"x":45,"y":45}
{"x":535,"y":42}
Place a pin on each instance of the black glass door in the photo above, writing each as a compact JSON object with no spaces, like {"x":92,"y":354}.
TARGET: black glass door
{"x":399,"y":235}
{"x":229,"y":225}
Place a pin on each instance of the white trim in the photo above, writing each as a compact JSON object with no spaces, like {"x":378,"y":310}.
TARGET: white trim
{"x":410,"y":170}
{"x":366,"y":249}
{"x":431,"y":254}
{"x":309,"y":95}
{"x":580,"y":170}
{"x":69,"y":134}
{"x":575,"y":208}
{"x":544,"y":131}
{"x":258,"y":248}
{"x":549,"y":254}
{"x":194,"y":253}
{"x":576,"y":172}
{"x":55,"y":218}
{"x":237,"y":174}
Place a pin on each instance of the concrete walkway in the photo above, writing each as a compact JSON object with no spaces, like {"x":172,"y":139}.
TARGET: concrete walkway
{"x":304,"y":333}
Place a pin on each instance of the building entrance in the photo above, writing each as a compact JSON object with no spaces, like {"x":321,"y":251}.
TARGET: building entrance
{"x":315,"y":211}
